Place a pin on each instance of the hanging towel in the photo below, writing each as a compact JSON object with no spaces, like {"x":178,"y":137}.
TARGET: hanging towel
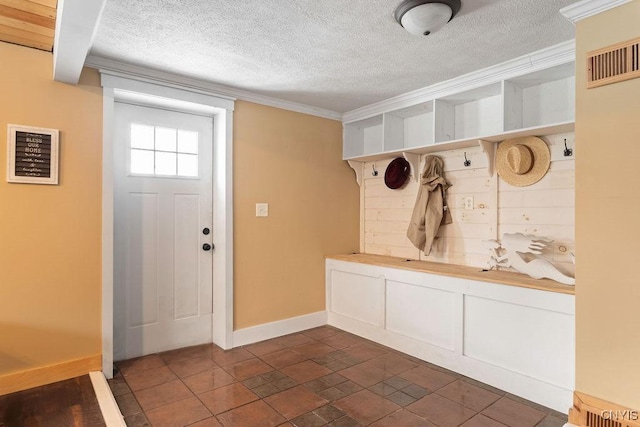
{"x":431,"y":209}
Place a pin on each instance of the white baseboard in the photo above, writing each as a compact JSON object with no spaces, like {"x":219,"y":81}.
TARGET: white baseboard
{"x":106,"y":401}
{"x":279,"y":328}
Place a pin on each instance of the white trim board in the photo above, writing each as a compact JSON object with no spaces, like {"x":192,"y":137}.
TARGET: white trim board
{"x":555,"y":55}
{"x":115,"y":88}
{"x":108,"y":406}
{"x":167,"y":79}
{"x":108,"y":120}
{"x":279,"y":328}
{"x":586,"y":8}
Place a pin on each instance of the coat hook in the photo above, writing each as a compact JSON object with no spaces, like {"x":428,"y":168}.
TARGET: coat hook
{"x":374,"y":172}
{"x":568,"y":152}
{"x":467,"y":162}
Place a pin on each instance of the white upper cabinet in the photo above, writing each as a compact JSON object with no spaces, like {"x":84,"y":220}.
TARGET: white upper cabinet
{"x":537,"y":103}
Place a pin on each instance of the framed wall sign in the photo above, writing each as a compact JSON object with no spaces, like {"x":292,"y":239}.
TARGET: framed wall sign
{"x":32,"y":155}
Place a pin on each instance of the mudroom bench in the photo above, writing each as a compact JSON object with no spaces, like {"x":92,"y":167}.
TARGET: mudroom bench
{"x":504,"y":329}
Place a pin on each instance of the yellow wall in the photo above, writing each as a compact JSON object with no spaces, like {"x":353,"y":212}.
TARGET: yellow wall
{"x":293,"y":162}
{"x":50,"y":236}
{"x":607,"y":225}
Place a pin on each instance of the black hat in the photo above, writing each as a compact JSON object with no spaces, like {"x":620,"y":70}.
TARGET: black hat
{"x":397,"y":173}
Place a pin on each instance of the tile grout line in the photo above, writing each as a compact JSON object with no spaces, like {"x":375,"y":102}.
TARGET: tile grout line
{"x":194,"y":394}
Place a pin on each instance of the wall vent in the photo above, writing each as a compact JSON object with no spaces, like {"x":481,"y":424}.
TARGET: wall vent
{"x":595,"y":420}
{"x":589,"y":411}
{"x":613,"y":64}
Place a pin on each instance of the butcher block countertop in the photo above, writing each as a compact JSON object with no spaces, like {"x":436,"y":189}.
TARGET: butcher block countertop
{"x":460,"y":271}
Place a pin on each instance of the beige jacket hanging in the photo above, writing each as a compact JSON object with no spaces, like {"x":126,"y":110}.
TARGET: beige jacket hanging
{"x":430,"y":210}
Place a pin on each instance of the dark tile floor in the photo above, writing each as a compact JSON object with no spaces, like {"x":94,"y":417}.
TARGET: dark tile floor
{"x":319,"y":377}
{"x":67,"y":403}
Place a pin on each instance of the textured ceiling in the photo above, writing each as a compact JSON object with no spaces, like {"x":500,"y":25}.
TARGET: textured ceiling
{"x":332,"y":54}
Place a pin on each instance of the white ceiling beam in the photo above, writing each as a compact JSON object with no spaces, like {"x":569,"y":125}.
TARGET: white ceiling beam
{"x":76,"y":26}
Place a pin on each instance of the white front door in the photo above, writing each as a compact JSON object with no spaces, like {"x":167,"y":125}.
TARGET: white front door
{"x":162,"y":230}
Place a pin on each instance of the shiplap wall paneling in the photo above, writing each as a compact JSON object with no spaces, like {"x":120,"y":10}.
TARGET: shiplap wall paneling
{"x":469,"y":114}
{"x":461,"y":241}
{"x":543,"y":209}
{"x":546,"y":208}
{"x":387,"y":214}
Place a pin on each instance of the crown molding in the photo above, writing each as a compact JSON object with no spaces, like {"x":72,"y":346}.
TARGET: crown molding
{"x":586,"y":8}
{"x":136,"y":72}
{"x":555,"y":55}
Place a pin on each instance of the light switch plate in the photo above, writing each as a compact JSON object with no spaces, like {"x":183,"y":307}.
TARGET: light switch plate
{"x":262,"y":209}
{"x":468,"y":203}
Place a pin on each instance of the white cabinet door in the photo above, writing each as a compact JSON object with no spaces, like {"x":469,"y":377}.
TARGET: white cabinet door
{"x":358,"y":297}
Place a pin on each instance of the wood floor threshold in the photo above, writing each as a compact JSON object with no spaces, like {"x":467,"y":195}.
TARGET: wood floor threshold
{"x":108,"y":406}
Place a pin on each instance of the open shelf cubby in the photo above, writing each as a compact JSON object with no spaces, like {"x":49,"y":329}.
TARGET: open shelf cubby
{"x":409,"y":127}
{"x":363,"y":137}
{"x":537,"y":103}
{"x":469,"y":114}
{"x":540,"y":98}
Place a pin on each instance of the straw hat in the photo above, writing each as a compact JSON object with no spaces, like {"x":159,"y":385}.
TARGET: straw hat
{"x":522,"y":161}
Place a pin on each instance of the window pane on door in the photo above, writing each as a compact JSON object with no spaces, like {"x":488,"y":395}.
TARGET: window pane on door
{"x":165,"y":139}
{"x":164,"y":151}
{"x":142,"y":136}
{"x":187,"y":142}
{"x":165,"y":163}
{"x":187,"y":165}
{"x":142,"y":161}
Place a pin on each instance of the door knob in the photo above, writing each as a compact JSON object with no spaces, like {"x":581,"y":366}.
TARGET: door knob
{"x":207,"y":247}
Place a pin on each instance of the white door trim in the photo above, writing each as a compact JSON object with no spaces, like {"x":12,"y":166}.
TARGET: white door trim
{"x":132,"y":89}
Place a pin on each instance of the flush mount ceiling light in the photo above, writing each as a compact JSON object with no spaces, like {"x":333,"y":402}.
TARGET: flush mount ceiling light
{"x":423,"y":17}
